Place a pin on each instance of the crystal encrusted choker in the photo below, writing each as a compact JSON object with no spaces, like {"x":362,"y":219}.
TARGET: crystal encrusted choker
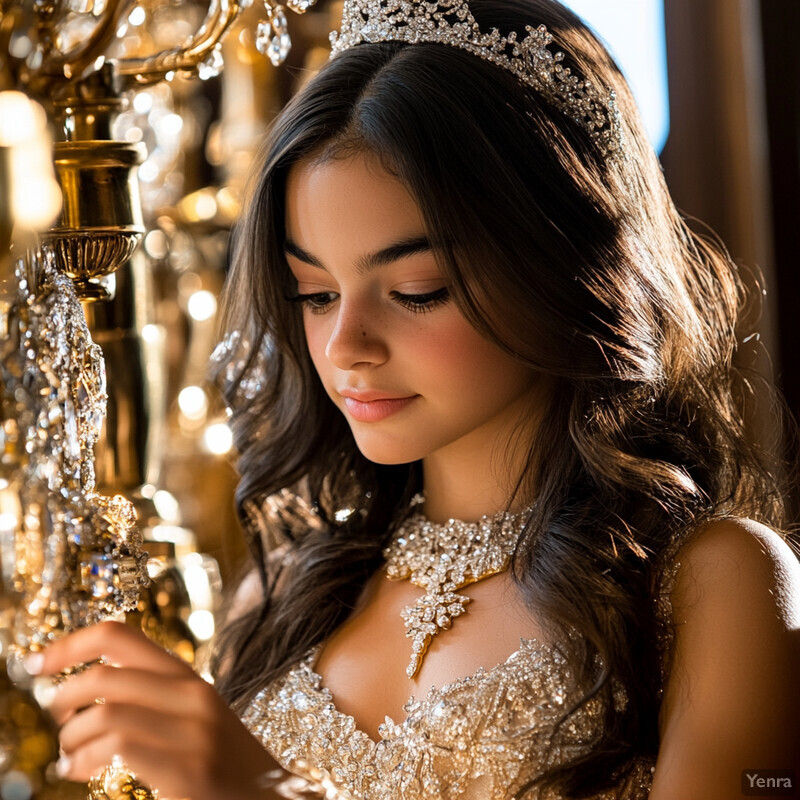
{"x":442,"y":558}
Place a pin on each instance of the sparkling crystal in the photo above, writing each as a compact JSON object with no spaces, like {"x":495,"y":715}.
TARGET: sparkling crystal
{"x":53,"y":395}
{"x":272,"y":36}
{"x":212,"y":65}
{"x":500,"y":722}
{"x":97,"y":571}
{"x":72,"y":445}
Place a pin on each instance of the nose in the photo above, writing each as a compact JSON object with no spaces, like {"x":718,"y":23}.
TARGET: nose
{"x":356,"y":338}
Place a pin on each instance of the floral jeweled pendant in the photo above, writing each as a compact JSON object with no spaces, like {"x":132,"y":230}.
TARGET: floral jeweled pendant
{"x":442,"y":558}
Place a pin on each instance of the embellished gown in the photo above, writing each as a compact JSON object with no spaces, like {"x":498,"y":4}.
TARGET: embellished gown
{"x":482,"y":737}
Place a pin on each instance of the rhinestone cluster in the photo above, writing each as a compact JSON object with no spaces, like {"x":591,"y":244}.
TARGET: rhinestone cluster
{"x":442,"y":558}
{"x":529,"y":59}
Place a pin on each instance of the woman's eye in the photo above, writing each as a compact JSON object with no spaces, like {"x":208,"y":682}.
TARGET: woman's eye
{"x":422,"y":302}
{"x":316,"y":302}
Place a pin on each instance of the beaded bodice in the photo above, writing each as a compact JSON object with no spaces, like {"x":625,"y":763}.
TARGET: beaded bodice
{"x":484,"y":736}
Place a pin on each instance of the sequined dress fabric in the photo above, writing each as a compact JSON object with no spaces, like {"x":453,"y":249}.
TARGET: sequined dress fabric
{"x":485,"y":736}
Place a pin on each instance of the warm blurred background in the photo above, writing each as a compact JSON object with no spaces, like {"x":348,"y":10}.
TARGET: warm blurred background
{"x":718,"y":82}
{"x":732,"y":158}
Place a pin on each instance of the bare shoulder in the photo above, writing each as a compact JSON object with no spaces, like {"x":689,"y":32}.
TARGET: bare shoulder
{"x":732,"y":564}
{"x":731,"y":701}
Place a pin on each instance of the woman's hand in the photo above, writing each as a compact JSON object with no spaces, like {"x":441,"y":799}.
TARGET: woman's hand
{"x":150,"y":709}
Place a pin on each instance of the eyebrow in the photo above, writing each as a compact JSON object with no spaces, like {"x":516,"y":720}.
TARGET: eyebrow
{"x":404,"y":248}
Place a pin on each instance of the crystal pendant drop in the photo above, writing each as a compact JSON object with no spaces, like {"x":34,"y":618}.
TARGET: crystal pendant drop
{"x":272,"y":36}
{"x":299,"y":6}
{"x":211,"y":66}
{"x":441,"y":559}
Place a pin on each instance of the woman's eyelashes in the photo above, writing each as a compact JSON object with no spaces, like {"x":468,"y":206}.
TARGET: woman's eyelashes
{"x":320,"y":302}
{"x":422,"y":302}
{"x":316,"y":302}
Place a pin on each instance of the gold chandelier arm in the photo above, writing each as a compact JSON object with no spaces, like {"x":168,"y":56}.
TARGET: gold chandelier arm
{"x":151,"y":69}
{"x":76,"y":61}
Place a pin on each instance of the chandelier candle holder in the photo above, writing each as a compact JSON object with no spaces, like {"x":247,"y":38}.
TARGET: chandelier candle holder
{"x":69,"y":556}
{"x":101,"y":218}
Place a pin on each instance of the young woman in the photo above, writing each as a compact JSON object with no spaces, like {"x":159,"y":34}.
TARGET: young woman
{"x":492,"y":455}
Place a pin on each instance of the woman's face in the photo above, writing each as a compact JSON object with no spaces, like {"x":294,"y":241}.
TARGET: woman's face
{"x":395,"y":354}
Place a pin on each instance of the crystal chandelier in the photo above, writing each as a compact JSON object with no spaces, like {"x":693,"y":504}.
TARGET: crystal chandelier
{"x":69,"y":556}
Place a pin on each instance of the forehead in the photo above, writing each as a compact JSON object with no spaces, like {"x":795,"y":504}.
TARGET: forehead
{"x":350,"y":204}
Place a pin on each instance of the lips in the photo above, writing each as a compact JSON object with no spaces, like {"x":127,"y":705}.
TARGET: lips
{"x":373,"y":406}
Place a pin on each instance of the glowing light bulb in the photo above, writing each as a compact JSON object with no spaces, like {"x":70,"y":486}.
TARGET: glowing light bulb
{"x":201,"y":623}
{"x":35,"y":195}
{"x":196,"y":580}
{"x":202,"y":305}
{"x":166,"y":506}
{"x":137,"y":16}
{"x":218,"y":439}
{"x":8,"y":522}
{"x":143,"y":102}
{"x":193,"y":402}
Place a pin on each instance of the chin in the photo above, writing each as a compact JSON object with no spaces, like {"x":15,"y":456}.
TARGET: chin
{"x":388,"y":453}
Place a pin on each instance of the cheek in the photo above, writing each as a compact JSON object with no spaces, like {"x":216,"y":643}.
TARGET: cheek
{"x":448,"y":340}
{"x":461,"y":355}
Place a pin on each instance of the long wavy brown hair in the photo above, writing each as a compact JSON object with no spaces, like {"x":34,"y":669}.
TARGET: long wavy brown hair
{"x":576,"y":264}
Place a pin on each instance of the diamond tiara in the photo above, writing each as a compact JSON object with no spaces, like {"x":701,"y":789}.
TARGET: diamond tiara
{"x":451,"y":22}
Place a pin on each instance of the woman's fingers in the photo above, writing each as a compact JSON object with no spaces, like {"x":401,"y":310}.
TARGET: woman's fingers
{"x":114,"y":642}
{"x":128,"y":725}
{"x":167,"y":724}
{"x":176,"y":755}
{"x":106,"y":684}
{"x":152,"y":759}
